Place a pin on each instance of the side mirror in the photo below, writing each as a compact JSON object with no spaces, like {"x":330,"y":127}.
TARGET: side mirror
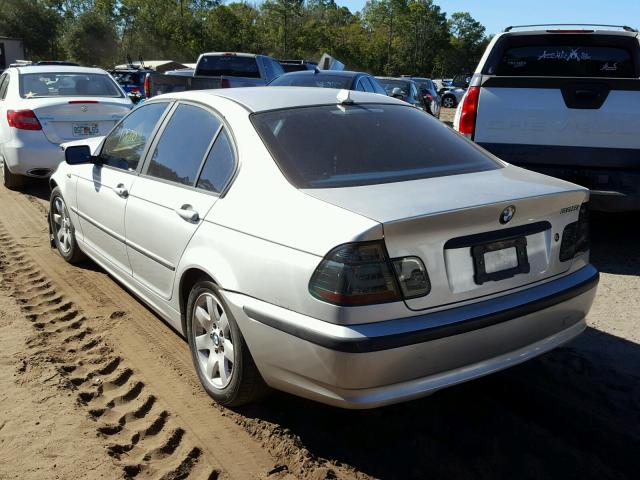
{"x":78,"y":154}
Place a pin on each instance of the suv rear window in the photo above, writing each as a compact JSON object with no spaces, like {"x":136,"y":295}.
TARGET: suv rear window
{"x":228,"y":65}
{"x":343,"y":146}
{"x":567,"y":61}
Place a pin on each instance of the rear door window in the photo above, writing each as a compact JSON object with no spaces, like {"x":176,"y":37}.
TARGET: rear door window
{"x":228,"y":65}
{"x":219,"y":165}
{"x":566,"y":61}
{"x":183,"y":144}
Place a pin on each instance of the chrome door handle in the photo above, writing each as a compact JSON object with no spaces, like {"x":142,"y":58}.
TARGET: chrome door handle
{"x":121,"y":191}
{"x":188,"y":213}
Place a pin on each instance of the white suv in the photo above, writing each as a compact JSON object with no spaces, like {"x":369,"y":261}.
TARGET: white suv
{"x":41,"y":107}
{"x":565,"y":102}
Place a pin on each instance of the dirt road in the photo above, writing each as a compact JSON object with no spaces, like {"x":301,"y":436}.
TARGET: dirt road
{"x":114,"y":392}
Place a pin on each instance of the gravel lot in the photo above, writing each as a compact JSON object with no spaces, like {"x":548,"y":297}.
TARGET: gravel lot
{"x":93,"y":385}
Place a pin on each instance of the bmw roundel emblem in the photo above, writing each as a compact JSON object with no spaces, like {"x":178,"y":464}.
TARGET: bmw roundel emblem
{"x":507,"y":214}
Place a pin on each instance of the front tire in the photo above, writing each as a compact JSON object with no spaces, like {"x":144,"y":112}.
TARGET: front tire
{"x":11,"y":180}
{"x":220,"y":355}
{"x":64,"y":234}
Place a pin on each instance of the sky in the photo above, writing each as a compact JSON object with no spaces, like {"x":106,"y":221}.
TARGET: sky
{"x":497,"y":14}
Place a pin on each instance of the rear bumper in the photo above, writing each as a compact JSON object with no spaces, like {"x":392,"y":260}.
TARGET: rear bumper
{"x":32,"y":154}
{"x":369,"y":365}
{"x":612,"y":174}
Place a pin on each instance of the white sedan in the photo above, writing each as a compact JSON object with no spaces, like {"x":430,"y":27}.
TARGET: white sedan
{"x":43,"y":106}
{"x":342,"y":246}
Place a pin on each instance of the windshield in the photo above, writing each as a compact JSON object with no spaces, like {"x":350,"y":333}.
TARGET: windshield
{"x":341,"y":146}
{"x":38,"y":85}
{"x":313,"y":80}
{"x":228,"y":65}
{"x":390,"y":85}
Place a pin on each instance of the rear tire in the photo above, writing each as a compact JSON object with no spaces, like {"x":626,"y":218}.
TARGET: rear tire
{"x":11,"y":180}
{"x":220,"y":355}
{"x":448,"y":101}
{"x":64,"y":234}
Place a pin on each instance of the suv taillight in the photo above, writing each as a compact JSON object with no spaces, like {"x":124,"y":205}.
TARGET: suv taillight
{"x":23,"y":119}
{"x":469,"y":110}
{"x":575,"y":237}
{"x":362,"y":274}
{"x":146,"y":86}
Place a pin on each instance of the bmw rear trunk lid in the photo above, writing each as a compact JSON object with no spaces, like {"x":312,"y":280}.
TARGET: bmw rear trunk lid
{"x":478,"y":234}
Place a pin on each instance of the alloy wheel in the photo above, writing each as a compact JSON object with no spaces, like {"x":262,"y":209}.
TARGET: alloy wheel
{"x":62,"y":225}
{"x":213,"y":341}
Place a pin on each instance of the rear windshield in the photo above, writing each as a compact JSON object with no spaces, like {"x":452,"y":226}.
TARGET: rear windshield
{"x":342,"y":146}
{"x":567,"y":61}
{"x":390,"y":85}
{"x":315,"y":80}
{"x":129,"y":79}
{"x":229,"y":66}
{"x":424,"y":84}
{"x":294,"y":67}
{"x":37,"y":85}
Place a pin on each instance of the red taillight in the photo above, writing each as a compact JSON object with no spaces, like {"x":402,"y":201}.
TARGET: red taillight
{"x":467,"y":124}
{"x":135,"y":90}
{"x":225,"y":83}
{"x":83,"y":101}
{"x":146,"y":85}
{"x":23,"y":119}
{"x":356,"y":274}
{"x":429,"y":97}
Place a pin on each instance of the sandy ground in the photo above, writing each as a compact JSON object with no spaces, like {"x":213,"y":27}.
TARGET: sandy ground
{"x":94,"y":385}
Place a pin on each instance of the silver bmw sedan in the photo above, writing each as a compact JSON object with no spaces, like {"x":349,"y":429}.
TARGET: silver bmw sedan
{"x":341,"y":246}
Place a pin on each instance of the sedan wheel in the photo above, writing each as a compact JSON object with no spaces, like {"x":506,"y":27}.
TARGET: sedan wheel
{"x":64,"y":235}
{"x":222,"y":359}
{"x":213,"y":340}
{"x":448,"y":102}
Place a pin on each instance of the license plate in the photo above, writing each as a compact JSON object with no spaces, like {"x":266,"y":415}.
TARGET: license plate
{"x":500,"y":260}
{"x":85,"y":129}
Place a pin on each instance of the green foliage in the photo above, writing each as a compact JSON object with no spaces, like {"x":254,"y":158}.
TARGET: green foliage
{"x":91,"y":39}
{"x":389,"y":37}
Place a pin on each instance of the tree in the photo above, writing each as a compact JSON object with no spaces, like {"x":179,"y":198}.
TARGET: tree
{"x":35,"y":22}
{"x":467,"y":43}
{"x":91,"y":39}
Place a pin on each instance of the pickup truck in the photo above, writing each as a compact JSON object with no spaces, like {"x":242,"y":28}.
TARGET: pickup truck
{"x":563,"y":101}
{"x":218,"y":70}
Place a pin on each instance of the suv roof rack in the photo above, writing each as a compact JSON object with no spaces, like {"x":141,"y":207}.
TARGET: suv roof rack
{"x":622,"y":27}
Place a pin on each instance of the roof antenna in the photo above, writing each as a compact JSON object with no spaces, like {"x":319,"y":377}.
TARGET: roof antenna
{"x":129,"y":61}
{"x":344,"y":97}
{"x":141,"y":62}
